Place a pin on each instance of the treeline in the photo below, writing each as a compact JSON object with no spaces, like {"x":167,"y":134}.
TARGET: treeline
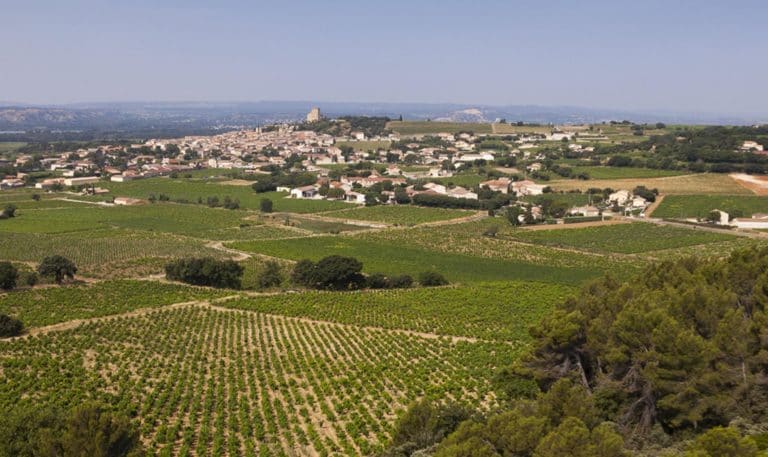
{"x":369,"y":125}
{"x":206,"y":271}
{"x":714,"y":149}
{"x":346,"y":273}
{"x":270,"y":183}
{"x":671,"y":363}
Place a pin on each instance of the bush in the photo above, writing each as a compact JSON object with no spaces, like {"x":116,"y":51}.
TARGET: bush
{"x":8,"y":275}
{"x":271,"y":276}
{"x":57,"y":267}
{"x":265,"y":205}
{"x":10,"y":210}
{"x":87,"y":430}
{"x":10,"y":326}
{"x":206,"y":271}
{"x":432,"y":278}
{"x":381,"y":281}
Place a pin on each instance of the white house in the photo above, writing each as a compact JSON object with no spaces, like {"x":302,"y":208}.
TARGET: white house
{"x":757,"y":221}
{"x":498,"y":185}
{"x":620,"y":197}
{"x":81,"y":181}
{"x":355,"y":197}
{"x":527,"y":187}
{"x":460,"y":192}
{"x":305,"y":192}
{"x":586,"y":211}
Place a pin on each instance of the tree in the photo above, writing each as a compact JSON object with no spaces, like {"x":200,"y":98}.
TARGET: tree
{"x":303,"y":272}
{"x":513,"y":214}
{"x":333,"y":273}
{"x":271,"y":276}
{"x":88,"y":429}
{"x":338,"y":273}
{"x":10,"y":326}
{"x":206,"y":271}
{"x":58,"y":267}
{"x":432,"y":278}
{"x":722,"y":442}
{"x":265,"y":205}
{"x":8,"y":276}
{"x":9,"y":211}
{"x":424,"y":424}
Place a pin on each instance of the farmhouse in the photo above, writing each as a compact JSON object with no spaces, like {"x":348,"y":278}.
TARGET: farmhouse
{"x":586,"y":211}
{"x":498,"y":185}
{"x":81,"y":181}
{"x":527,"y":187}
{"x":305,"y":192}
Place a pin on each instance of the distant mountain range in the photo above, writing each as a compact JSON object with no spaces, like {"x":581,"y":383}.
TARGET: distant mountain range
{"x":191,"y":117}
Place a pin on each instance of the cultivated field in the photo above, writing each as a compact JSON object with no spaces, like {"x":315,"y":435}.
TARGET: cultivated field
{"x":217,"y":382}
{"x":399,"y":215}
{"x":407,"y":128}
{"x":676,"y":206}
{"x":625,"y":172}
{"x":697,"y":184}
{"x":622,"y":238}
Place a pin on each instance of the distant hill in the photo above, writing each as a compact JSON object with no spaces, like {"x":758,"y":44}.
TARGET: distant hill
{"x":170,"y":119}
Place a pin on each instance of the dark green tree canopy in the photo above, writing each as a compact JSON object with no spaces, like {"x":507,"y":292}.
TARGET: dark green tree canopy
{"x":57,"y":267}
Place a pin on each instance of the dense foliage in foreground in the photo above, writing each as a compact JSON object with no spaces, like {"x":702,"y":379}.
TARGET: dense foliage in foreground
{"x":669,"y":359}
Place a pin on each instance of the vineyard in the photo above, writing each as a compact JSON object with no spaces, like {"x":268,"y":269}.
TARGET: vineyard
{"x":390,"y":257}
{"x":676,"y":206}
{"x":100,"y":252}
{"x":39,"y":307}
{"x":193,"y":189}
{"x":400,"y":214}
{"x":490,"y":311}
{"x":622,"y":238}
{"x":213,"y":382}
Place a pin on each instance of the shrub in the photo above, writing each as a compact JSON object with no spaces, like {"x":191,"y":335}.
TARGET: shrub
{"x":8,"y":275}
{"x":432,"y":278}
{"x":265,"y":205}
{"x":10,"y":326}
{"x":206,"y":271}
{"x":271,"y":276}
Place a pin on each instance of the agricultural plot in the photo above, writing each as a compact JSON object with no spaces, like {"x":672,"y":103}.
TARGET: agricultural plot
{"x":103,"y":253}
{"x":39,"y":307}
{"x":490,"y":311}
{"x":221,"y":382}
{"x":406,"y":128}
{"x":469,"y":239}
{"x":684,"y":206}
{"x":194,"y":190}
{"x":625,"y":172}
{"x":622,"y":238}
{"x":400,"y":214}
{"x":696,"y":184}
{"x":403,"y":257}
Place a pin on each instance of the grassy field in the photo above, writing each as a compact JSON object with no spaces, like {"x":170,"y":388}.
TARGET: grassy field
{"x":625,"y":172}
{"x":468,"y":239}
{"x":675,"y":206}
{"x":194,"y":190}
{"x":391,"y":257}
{"x":622,"y":238}
{"x":704,"y":183}
{"x":10,"y":146}
{"x":407,"y":128}
{"x":400,"y":214}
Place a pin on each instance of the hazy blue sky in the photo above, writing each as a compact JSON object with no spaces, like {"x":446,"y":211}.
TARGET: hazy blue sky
{"x":675,"y":54}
